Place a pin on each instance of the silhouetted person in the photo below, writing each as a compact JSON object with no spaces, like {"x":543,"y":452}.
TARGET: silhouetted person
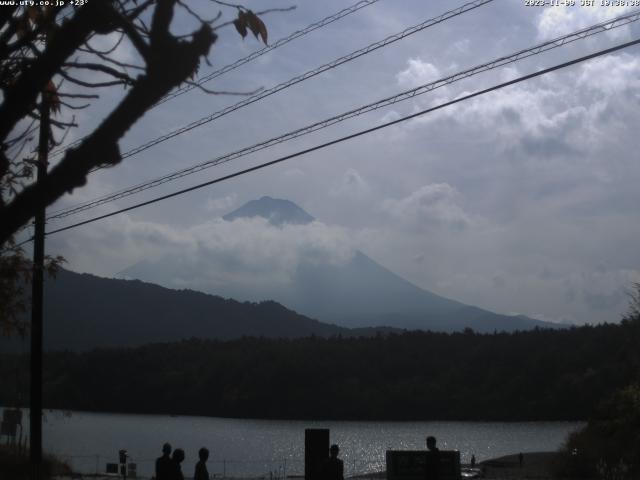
{"x":176,"y":469}
{"x":432,"y":465}
{"x":163,"y":463}
{"x":473,"y":461}
{"x":520,"y":459}
{"x":201,"y":466}
{"x":431,"y":444}
{"x":333,"y":468}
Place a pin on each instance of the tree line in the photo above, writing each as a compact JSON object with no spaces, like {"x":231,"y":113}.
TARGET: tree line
{"x":533,"y":375}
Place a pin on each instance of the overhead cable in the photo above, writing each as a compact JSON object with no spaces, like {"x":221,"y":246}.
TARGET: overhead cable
{"x":408,"y":94}
{"x":305,"y":76}
{"x":252,"y":56}
{"x":354,"y":135}
{"x":278,"y":43}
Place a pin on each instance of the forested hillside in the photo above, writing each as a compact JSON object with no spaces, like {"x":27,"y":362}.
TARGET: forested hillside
{"x":85,"y":312}
{"x":541,"y":374}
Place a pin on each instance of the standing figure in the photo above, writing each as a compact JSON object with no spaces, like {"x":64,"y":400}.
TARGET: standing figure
{"x":431,"y":444}
{"x":176,"y":469}
{"x":473,"y":461}
{"x":163,"y":463}
{"x":432,"y":469}
{"x":201,"y":467}
{"x":333,"y":468}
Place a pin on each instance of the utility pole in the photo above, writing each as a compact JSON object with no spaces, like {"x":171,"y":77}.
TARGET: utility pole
{"x":35,"y":423}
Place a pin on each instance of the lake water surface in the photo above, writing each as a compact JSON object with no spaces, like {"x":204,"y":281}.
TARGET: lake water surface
{"x":262,"y":447}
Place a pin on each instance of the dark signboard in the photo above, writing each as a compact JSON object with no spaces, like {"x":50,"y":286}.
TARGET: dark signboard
{"x":316,"y":451}
{"x":423,"y":465}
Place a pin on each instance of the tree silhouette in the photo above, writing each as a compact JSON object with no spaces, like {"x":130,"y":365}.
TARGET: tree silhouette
{"x":47,"y":60}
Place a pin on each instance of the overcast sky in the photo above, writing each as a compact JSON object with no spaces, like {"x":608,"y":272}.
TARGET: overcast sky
{"x":524,"y":200}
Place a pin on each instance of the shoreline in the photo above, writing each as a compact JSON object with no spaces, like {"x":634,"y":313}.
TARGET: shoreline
{"x":535,"y":465}
{"x":71,"y":411}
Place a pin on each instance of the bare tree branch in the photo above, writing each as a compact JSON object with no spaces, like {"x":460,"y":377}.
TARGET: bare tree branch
{"x":99,"y":67}
{"x":83,"y":83}
{"x":77,"y":95}
{"x":22,"y":95}
{"x":108,"y":51}
{"x":170,"y":61}
{"x":75,"y":107}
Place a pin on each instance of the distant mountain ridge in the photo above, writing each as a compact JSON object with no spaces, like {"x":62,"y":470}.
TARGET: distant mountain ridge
{"x":358,"y":293}
{"x":83,"y":312}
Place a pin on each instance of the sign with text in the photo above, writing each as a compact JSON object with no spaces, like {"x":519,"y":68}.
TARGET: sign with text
{"x":423,"y":465}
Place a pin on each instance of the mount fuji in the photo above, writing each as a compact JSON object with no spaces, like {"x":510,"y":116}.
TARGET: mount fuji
{"x":358,"y":292}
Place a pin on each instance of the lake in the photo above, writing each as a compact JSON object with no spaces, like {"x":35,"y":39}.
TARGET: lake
{"x":242,"y":447}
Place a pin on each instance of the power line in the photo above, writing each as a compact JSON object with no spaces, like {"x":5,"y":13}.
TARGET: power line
{"x":305,"y":76}
{"x":519,"y":55}
{"x":354,"y":135}
{"x":309,"y":74}
{"x":252,"y":56}
{"x":353,"y":55}
{"x":283,"y":41}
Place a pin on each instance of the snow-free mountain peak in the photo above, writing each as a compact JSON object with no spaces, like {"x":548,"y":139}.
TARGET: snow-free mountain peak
{"x":277,"y":211}
{"x":350,"y":291}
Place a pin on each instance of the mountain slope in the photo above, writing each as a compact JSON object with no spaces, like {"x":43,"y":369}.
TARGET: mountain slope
{"x":363,"y":292}
{"x":83,"y":311}
{"x":358,"y":292}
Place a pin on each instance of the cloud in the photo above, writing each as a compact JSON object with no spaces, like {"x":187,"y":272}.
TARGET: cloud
{"x":559,"y":115}
{"x":221,"y":204}
{"x":417,"y":73}
{"x":611,"y":75}
{"x":548,"y":318}
{"x":351,"y":184}
{"x":503,"y":201}
{"x":604,"y":289}
{"x":246,"y":252}
{"x":462,"y":46}
{"x":293,"y":174}
{"x":555,"y":22}
{"x":431,"y":205}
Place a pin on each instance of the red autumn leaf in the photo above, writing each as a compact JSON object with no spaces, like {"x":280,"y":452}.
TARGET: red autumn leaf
{"x":240,"y":27}
{"x":257,"y":26}
{"x":253,"y":24}
{"x":263,"y":30}
{"x":241,"y":23}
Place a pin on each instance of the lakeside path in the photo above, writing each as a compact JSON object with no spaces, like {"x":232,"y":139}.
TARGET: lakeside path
{"x":536,"y":465}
